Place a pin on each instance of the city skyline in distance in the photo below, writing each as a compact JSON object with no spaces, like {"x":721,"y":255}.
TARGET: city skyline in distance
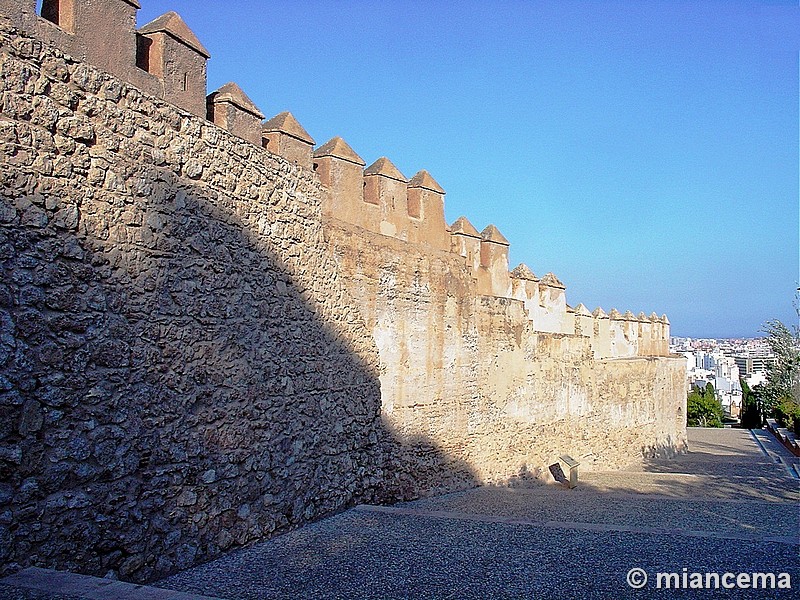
{"x":646,"y":153}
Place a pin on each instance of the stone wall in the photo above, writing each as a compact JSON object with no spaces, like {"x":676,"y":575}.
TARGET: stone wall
{"x":181,"y":370}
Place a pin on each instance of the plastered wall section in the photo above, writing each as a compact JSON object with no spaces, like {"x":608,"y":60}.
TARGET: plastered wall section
{"x":545,"y":395}
{"x":474,"y":376}
{"x":421,"y":313}
{"x":181,"y":369}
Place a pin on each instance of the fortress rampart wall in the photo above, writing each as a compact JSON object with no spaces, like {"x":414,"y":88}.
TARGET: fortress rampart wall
{"x":166,"y":59}
{"x":214,"y":332}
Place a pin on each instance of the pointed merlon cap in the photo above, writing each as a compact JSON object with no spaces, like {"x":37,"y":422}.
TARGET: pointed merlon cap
{"x":462,"y":226}
{"x":424,"y":180}
{"x":553,"y":281}
{"x":492,"y":234}
{"x":582,"y":311}
{"x":614,"y":314}
{"x":654,"y":317}
{"x":599,"y":313}
{"x":628,"y":316}
{"x":172,"y":24}
{"x":643,"y":317}
{"x":384,"y":167}
{"x":523,"y":271}
{"x":286,"y":123}
{"x":338,"y":148}
{"x":664,"y":319}
{"x":230,"y":92}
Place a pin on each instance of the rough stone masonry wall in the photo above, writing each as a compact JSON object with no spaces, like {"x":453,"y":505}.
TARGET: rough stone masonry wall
{"x":180,"y":369}
{"x":470,"y":373}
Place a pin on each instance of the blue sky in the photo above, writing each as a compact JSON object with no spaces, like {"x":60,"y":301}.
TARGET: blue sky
{"x":645,"y":152}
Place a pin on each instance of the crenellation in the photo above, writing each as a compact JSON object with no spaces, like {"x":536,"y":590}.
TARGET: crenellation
{"x":623,"y":340}
{"x":341,"y":172}
{"x":524,"y":287}
{"x":584,"y":322}
{"x":164,"y":58}
{"x":622,"y":335}
{"x":601,"y":334}
{"x":568,"y":324}
{"x":283,"y":135}
{"x":385,"y":187}
{"x":524,"y":272}
{"x":551,"y":313}
{"x":581,"y":310}
{"x":645,"y":335}
{"x":466,"y":242}
{"x":108,"y":32}
{"x":375,"y":199}
{"x":426,"y":212}
{"x":493,"y":275}
{"x":552,"y":281}
{"x":169,"y":50}
{"x":630,"y":333}
{"x":60,"y":13}
{"x":231,"y":109}
{"x":174,"y":59}
{"x":545,"y":301}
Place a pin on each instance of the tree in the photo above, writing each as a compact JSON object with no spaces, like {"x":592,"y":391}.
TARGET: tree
{"x":781,"y":391}
{"x":703,"y":409}
{"x":751,"y":407}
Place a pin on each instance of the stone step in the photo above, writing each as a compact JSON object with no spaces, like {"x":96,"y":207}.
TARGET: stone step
{"x":84,"y":586}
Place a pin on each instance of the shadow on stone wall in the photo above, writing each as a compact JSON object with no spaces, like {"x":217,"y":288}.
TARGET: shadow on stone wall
{"x":669,"y":448}
{"x":169,"y":393}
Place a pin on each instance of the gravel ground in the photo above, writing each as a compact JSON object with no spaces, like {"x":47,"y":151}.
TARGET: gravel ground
{"x":735,"y":518}
{"x":372,"y":556}
{"x":12,"y":592}
{"x":779,"y":488}
{"x":727,"y":453}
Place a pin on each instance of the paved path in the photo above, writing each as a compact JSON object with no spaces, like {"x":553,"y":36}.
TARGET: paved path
{"x":727,"y":506}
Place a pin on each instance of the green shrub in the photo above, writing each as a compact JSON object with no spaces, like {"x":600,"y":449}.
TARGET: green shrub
{"x":703,"y":409}
{"x":787,"y":411}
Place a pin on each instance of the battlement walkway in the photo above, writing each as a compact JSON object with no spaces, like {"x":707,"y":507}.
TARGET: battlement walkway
{"x":729,"y":506}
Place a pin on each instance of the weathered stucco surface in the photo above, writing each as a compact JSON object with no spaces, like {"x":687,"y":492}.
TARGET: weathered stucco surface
{"x":203,"y":342}
{"x":473,"y":374}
